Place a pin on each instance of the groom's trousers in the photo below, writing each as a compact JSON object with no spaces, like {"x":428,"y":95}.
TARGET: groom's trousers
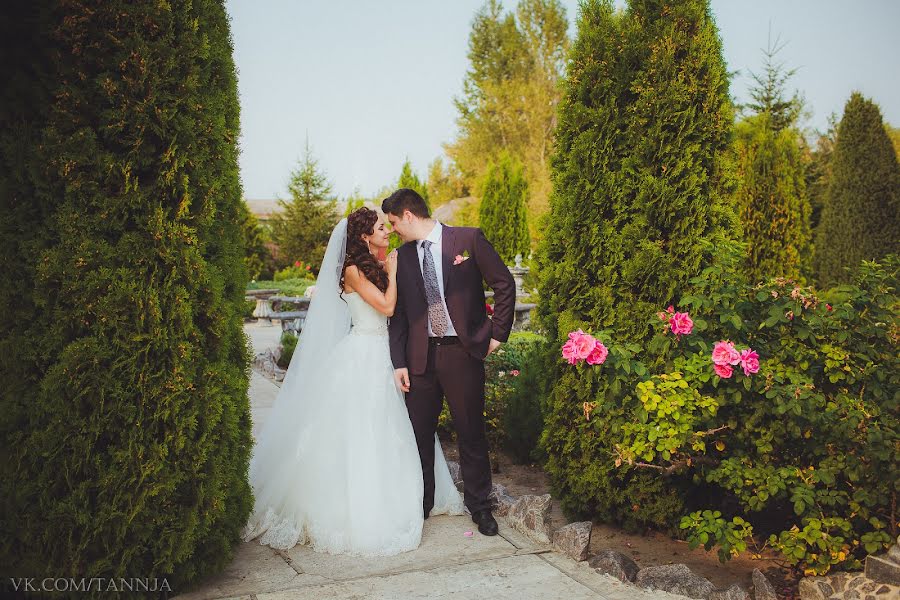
{"x":453,"y":373}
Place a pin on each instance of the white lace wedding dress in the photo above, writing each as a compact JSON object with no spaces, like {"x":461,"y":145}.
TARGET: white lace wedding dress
{"x":345,"y":478}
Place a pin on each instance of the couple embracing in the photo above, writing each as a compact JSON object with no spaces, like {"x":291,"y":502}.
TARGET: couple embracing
{"x":348,"y":460}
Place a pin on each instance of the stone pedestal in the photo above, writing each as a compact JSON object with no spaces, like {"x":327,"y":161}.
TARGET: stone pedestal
{"x":885,"y":568}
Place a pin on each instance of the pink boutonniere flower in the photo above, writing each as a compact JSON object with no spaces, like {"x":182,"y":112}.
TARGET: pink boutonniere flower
{"x":461,"y":258}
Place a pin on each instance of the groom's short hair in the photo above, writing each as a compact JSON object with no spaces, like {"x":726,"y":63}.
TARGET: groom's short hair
{"x":405,"y":199}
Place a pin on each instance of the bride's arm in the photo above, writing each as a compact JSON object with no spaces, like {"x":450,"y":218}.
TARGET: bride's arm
{"x":383,"y":302}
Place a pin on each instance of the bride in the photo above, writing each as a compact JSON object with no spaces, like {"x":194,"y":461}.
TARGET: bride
{"x":336,"y":464}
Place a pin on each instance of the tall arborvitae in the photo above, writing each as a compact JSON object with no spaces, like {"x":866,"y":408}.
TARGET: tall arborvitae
{"x":502,"y":214}
{"x":131,"y":432}
{"x":637,"y":211}
{"x":861,"y":216}
{"x":771,"y":196}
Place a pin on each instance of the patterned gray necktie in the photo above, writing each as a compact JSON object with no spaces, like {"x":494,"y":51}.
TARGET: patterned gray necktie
{"x":436,"y":314}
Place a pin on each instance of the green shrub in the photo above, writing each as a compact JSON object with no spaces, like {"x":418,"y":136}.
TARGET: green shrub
{"x":288,"y":345}
{"x":502,"y":370}
{"x":298,"y":270}
{"x":126,"y":423}
{"x":804,"y":454}
{"x":285,"y":287}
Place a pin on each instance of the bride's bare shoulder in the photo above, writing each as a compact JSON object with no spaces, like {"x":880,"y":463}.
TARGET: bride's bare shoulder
{"x":351,"y":276}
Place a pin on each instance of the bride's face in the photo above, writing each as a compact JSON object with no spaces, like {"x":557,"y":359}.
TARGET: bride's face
{"x":380,"y":235}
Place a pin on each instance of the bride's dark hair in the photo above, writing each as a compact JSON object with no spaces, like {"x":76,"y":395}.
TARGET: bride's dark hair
{"x":362,"y":222}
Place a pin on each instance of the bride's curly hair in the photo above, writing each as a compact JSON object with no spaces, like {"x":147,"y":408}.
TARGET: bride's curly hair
{"x":362,"y":222}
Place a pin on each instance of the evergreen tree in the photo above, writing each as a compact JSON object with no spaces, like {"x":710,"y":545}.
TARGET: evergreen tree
{"x":771,"y":195}
{"x":861,"y":216}
{"x":257,"y":260}
{"x":638,"y":209}
{"x":409,"y":179}
{"x":128,"y":424}
{"x":502,"y":214}
{"x":302,"y":228}
{"x":818,"y":170}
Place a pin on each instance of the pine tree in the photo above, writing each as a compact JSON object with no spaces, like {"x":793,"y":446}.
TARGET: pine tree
{"x":128,"y":423}
{"x":771,"y":196}
{"x":861,"y":215}
{"x":638,"y":209}
{"x":409,"y":179}
{"x":302,"y":228}
{"x":502,"y":214}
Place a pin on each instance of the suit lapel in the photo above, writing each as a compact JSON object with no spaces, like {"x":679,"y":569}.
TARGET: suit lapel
{"x":448,"y":250}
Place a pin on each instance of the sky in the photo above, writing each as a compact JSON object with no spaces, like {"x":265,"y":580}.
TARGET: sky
{"x":370,"y":84}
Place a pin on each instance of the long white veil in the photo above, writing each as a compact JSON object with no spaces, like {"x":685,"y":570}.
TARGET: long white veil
{"x":327,"y":322}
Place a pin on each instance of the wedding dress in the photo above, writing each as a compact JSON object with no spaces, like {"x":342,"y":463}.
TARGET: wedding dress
{"x":336,"y":464}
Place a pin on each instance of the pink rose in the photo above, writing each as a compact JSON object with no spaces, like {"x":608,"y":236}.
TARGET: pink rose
{"x":723,"y":371}
{"x":514,"y":372}
{"x":598,"y":355}
{"x":681,"y":323}
{"x":570,"y":352}
{"x":749,"y":361}
{"x":671,"y":309}
{"x":724,"y":354}
{"x":585,"y":345}
{"x":574,"y":335}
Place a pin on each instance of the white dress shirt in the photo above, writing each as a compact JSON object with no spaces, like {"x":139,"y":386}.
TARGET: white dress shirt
{"x":435,"y":238}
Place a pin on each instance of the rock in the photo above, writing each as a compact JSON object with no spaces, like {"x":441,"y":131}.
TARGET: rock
{"x":882,"y":569}
{"x":762,"y":589}
{"x":735,"y":592}
{"x":454,"y":471}
{"x":815,"y":588}
{"x":501,"y":501}
{"x":677,"y":579}
{"x":573,"y":540}
{"x":616,"y":564}
{"x":531,"y":516}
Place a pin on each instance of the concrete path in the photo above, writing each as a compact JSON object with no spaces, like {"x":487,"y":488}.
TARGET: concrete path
{"x":447,"y":565}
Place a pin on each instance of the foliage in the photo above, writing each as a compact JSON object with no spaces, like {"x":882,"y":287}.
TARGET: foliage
{"x":805,"y":451}
{"x":304,"y":224}
{"x":298,"y":270}
{"x":771,"y":198}
{"x":502,"y":370}
{"x":502,"y":214}
{"x":445,"y":183}
{"x":861,"y":215}
{"x":257,"y":258}
{"x":285,"y":287}
{"x":126,"y":419}
{"x":288,"y":345}
{"x":510,"y":94}
{"x":409,"y":179}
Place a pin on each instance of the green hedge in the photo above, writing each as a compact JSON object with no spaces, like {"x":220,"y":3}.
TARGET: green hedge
{"x":127,"y":423}
{"x":804,"y":455}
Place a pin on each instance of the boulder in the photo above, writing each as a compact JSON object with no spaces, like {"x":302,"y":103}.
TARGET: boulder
{"x":676,"y":579}
{"x":573,"y":540}
{"x":762,"y":589}
{"x":501,"y":501}
{"x":735,"y":592}
{"x":614,"y":563}
{"x":531,"y":516}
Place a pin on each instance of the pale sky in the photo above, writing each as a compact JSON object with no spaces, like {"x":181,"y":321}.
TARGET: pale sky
{"x":372,"y":83}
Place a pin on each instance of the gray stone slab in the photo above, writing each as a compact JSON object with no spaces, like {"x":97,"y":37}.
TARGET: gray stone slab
{"x":443,"y":543}
{"x":603,"y":585}
{"x":255,"y":569}
{"x":524,"y":577}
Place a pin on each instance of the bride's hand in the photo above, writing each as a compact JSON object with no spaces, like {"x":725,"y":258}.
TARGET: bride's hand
{"x":390,"y":263}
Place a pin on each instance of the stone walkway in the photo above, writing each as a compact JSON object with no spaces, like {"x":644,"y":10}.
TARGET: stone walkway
{"x":447,"y":565}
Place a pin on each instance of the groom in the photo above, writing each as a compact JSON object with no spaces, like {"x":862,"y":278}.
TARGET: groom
{"x":440,"y":335}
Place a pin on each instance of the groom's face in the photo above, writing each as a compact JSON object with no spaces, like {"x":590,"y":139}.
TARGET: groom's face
{"x":402,"y":225}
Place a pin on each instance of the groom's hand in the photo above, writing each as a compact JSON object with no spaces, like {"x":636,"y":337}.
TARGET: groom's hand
{"x":492,"y":346}
{"x":401,"y":378}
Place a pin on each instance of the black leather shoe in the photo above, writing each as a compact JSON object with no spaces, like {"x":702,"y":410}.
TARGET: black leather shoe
{"x":426,"y":512}
{"x":485,"y":521}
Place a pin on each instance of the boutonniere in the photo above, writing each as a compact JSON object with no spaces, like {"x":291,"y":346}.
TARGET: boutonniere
{"x":461,"y":258}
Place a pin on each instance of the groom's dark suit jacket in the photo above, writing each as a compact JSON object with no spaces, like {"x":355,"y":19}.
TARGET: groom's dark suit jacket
{"x":463,"y":294}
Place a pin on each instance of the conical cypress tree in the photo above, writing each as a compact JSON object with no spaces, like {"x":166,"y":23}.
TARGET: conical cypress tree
{"x":637,"y":210}
{"x":861,"y":216}
{"x":502,"y":214}
{"x":132,"y":436}
{"x":771,"y":198}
